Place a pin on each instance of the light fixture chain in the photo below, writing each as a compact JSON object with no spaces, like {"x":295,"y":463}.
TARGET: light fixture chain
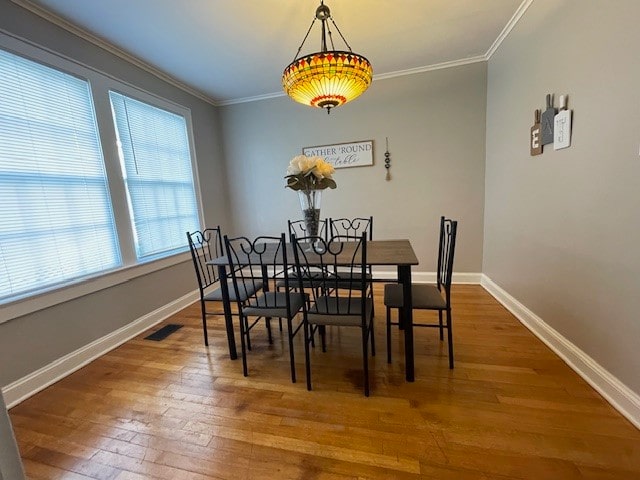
{"x":341,"y":36}
{"x":333,"y":47}
{"x":304,"y":39}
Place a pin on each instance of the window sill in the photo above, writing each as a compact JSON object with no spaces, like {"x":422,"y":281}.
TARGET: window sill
{"x":86,"y":286}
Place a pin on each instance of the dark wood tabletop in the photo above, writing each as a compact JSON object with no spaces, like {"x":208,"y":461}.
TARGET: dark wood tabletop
{"x":379,"y":252}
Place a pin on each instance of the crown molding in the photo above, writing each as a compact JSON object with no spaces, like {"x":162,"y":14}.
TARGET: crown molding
{"x":508,"y":27}
{"x":382,"y":76}
{"x":59,"y":21}
{"x":85,"y":35}
{"x":256,"y":98}
{"x":430,"y":68}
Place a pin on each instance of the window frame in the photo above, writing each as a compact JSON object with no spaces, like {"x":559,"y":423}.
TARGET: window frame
{"x":185,"y":114}
{"x":100,"y":84}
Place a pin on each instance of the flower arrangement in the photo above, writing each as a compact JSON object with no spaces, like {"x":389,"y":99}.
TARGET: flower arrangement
{"x":309,"y":176}
{"x":309,"y":173}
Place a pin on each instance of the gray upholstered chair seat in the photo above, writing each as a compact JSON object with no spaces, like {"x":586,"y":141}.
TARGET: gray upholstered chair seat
{"x":247,"y":288}
{"x":339,"y":311}
{"x":423,"y":296}
{"x":274,"y":304}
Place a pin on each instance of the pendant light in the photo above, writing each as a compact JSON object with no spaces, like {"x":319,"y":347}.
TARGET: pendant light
{"x":328,"y":78}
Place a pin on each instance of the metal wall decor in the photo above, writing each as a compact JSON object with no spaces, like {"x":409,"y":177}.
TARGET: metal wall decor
{"x":553,"y":126}
{"x":387,"y":161}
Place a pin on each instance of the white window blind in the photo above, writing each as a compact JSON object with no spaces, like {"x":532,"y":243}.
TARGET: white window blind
{"x":56,"y":220}
{"x":156,"y":164}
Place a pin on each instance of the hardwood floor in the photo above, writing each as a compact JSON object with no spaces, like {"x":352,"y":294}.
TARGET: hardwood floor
{"x":176,"y":410}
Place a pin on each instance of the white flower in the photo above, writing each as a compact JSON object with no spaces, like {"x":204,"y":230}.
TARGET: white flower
{"x":323,"y":169}
{"x":301,"y":164}
{"x":309,"y":173}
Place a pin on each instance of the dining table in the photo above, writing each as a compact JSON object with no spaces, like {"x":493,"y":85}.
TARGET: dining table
{"x":395,"y":253}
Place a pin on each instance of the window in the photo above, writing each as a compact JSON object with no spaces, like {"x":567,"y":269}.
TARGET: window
{"x":83,"y":205}
{"x":56,"y":221}
{"x":156,"y":165}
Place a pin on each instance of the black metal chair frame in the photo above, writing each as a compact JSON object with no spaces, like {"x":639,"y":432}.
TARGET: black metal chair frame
{"x":206,"y":245}
{"x":352,"y":229}
{"x":253,"y":263}
{"x":422,"y":292}
{"x":327,"y":307}
{"x":299,"y":228}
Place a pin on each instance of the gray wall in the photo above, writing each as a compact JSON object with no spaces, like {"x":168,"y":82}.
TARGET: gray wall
{"x":561,"y":229}
{"x":33,"y":341}
{"x":435,"y":122}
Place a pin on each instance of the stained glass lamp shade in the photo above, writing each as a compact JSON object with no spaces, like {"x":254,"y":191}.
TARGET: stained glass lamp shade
{"x":328,"y":78}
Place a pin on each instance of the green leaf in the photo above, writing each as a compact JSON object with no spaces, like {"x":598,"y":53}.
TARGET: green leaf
{"x":293,"y":182}
{"x":308,"y":181}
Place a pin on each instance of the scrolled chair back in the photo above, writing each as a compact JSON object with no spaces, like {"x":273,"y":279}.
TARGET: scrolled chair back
{"x":338,"y":269}
{"x":299,"y":228}
{"x":253,"y":262}
{"x":205,"y":245}
{"x":352,"y":228}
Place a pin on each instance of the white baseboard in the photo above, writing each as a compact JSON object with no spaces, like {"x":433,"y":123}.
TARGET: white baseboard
{"x":621,"y":397}
{"x":21,"y":389}
{"x":430,"y":277}
{"x":466,"y":278}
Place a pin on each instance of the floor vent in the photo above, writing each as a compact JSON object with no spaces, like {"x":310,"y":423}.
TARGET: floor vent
{"x":164,"y":332}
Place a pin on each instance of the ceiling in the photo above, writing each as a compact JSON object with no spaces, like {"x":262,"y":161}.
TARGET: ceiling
{"x":235,"y":50}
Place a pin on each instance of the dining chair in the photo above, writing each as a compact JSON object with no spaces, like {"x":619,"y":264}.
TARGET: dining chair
{"x":255,"y":262}
{"x":330,"y":305}
{"x":429,"y":297}
{"x":352,"y":229}
{"x":206,"y":245}
{"x":299,"y":228}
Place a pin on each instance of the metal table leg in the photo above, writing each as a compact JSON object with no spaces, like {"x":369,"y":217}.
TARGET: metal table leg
{"x":228,"y":317}
{"x":404,"y":277}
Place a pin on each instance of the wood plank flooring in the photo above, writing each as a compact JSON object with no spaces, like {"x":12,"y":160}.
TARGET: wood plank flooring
{"x":176,"y":410}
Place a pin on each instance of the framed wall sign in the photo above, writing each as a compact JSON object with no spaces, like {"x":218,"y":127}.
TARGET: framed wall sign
{"x":342,"y":155}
